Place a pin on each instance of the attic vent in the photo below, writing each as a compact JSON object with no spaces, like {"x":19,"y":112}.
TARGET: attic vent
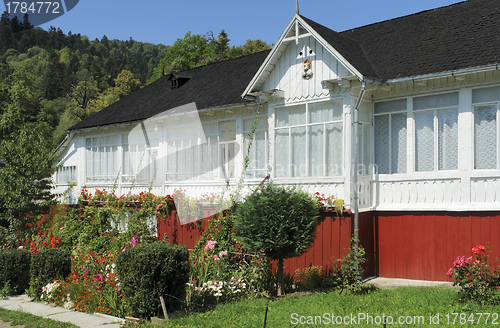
{"x":177,"y":81}
{"x":175,"y":84}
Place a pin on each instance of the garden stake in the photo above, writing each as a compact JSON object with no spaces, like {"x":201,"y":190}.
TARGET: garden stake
{"x":265,"y":315}
{"x":165,"y":314}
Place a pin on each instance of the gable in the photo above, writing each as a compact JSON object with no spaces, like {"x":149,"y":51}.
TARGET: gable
{"x":283,"y":67}
{"x":286,"y":75}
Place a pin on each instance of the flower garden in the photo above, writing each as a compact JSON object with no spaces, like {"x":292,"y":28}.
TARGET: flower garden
{"x":104,"y":256}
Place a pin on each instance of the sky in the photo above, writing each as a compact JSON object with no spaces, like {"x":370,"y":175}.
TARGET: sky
{"x":164,"y":21}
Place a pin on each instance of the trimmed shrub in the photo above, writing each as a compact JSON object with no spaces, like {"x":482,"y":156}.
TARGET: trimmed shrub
{"x":147,"y":271}
{"x":15,"y":270}
{"x":46,"y":266}
{"x":281,"y":221}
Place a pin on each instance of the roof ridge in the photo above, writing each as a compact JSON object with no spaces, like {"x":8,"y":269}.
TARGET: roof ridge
{"x":365,"y":55}
{"x":405,"y":16}
{"x":218,"y":62}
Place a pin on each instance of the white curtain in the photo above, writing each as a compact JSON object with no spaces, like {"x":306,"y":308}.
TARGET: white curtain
{"x":485,"y":137}
{"x":448,"y":139}
{"x":334,"y":149}
{"x":424,"y":143}
{"x":398,"y":143}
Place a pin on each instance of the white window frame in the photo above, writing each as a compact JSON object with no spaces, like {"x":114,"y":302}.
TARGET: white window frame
{"x":254,"y":154}
{"x":497,"y":105}
{"x":435,"y":111}
{"x":94,"y":178}
{"x":307,"y":124}
{"x":389,"y":135}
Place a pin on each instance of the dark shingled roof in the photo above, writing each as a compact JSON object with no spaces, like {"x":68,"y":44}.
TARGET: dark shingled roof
{"x":458,"y":36}
{"x":462,"y":35}
{"x":208,"y":86}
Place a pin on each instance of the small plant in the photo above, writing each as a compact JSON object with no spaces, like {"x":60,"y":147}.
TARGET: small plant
{"x":309,"y":278}
{"x":474,"y":276}
{"x":350,"y":273}
{"x":6,"y":291}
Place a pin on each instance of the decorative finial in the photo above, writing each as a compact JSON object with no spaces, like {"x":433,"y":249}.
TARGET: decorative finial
{"x":297,"y":7}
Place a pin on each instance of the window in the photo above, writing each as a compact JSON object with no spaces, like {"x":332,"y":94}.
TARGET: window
{"x":183,"y":153}
{"x":257,"y":165}
{"x":66,"y":175}
{"x":102,"y":163}
{"x":201,"y":153}
{"x":140,"y":162}
{"x":227,"y":148}
{"x":486,"y":127}
{"x":436,"y":132}
{"x":308,"y":140}
{"x":390,"y":136}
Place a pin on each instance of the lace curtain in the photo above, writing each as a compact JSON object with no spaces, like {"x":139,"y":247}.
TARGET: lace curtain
{"x":485,"y":137}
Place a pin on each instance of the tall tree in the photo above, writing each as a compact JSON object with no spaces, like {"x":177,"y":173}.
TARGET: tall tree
{"x":25,"y":179}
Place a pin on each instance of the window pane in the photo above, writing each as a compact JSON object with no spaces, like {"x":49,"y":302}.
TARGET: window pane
{"x":292,"y":115}
{"x":424,"y":143}
{"x":382,"y":143}
{"x":281,"y":153}
{"x":448,"y":139}
{"x":316,"y":163}
{"x":436,"y":101}
{"x":364,"y":148}
{"x":390,"y":106}
{"x":485,"y":95}
{"x":325,"y":111}
{"x":485,"y":137}
{"x":298,"y":140}
{"x":334,"y":148}
{"x":398,"y":143}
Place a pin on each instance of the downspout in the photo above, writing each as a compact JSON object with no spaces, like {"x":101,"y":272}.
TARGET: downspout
{"x":356,"y":160}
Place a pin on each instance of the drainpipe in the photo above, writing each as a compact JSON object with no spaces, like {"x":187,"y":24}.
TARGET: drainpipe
{"x":356,"y":159}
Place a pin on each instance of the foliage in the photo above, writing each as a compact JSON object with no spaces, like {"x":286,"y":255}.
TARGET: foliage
{"x":93,"y":286}
{"x":309,"y":278}
{"x":350,"y":273}
{"x":150,"y":270}
{"x":25,"y":180}
{"x":217,"y":260}
{"x":40,"y":242}
{"x":282,"y":221}
{"x":198,"y":50}
{"x":48,"y":265}
{"x":15,"y":270}
{"x":477,"y":280}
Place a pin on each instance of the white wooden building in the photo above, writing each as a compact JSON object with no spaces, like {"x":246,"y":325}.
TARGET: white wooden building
{"x":413,"y":101}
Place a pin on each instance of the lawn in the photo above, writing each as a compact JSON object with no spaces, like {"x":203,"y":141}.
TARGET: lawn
{"x":15,"y":318}
{"x":417,"y":307}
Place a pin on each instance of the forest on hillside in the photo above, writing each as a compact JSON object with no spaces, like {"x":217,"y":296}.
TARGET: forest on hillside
{"x":68,"y":77}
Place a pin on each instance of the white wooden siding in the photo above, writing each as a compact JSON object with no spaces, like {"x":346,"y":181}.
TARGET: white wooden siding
{"x":286,"y":74}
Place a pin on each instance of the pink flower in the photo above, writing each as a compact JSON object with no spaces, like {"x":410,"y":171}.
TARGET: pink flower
{"x":450,"y":272}
{"x":461,"y":261}
{"x":210,"y":245}
{"x":221,"y":254}
{"x":216,"y":258}
{"x":158,"y":207}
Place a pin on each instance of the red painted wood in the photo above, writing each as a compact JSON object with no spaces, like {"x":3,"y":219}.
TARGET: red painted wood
{"x":438,"y":238}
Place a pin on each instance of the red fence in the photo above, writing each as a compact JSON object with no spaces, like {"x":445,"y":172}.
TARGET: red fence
{"x":332,"y":239}
{"x":416,"y":245}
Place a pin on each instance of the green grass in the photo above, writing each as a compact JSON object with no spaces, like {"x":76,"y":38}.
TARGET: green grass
{"x":30,"y":321}
{"x":407,"y":302}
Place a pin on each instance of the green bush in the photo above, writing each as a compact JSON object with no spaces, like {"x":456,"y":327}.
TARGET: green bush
{"x":147,"y":271}
{"x":46,"y":266}
{"x":281,"y":221}
{"x":15,"y":270}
